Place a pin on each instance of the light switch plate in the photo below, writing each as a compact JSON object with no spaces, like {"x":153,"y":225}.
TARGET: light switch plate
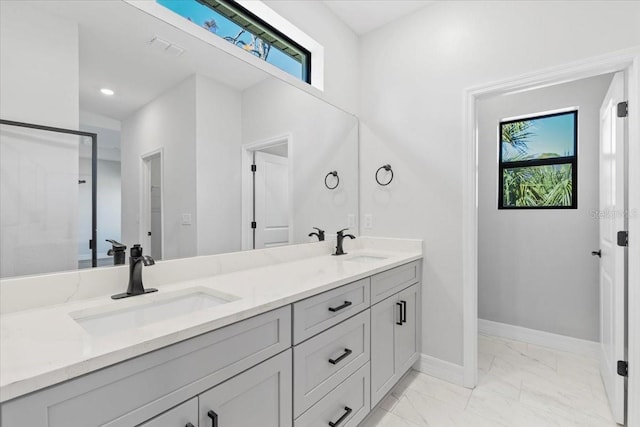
{"x":351,"y":221}
{"x":186,"y":219}
{"x":368,"y":221}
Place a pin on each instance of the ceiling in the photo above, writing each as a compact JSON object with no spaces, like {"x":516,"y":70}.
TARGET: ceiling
{"x":363,"y":16}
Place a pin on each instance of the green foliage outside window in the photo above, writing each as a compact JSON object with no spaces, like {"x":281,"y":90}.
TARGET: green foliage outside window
{"x":538,"y":162}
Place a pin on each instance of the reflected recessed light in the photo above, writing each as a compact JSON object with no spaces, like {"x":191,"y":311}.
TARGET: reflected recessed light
{"x":106,"y":91}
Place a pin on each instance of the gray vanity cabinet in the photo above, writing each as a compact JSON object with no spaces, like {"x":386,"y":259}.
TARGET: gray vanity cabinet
{"x":395,"y":338}
{"x":260,"y":396}
{"x":345,"y":355}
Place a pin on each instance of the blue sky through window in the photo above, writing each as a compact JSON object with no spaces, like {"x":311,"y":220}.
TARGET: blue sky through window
{"x":547,"y":137}
{"x":200,"y":14}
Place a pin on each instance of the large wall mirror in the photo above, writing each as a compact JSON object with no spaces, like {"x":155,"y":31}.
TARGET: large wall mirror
{"x":175,"y":143}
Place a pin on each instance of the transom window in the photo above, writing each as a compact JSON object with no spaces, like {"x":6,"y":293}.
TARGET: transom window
{"x":239,"y":26}
{"x":538,"y":162}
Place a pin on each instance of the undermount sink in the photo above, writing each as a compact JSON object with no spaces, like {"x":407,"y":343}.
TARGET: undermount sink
{"x":366,"y":258}
{"x":163,"y":308}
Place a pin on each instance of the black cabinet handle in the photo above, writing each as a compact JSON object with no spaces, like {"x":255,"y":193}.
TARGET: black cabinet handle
{"x":345,"y":305}
{"x":214,"y":418}
{"x":342,"y":356}
{"x":404,"y":312}
{"x":347,"y":411}
{"x":400,"y":321}
{"x":597,"y":253}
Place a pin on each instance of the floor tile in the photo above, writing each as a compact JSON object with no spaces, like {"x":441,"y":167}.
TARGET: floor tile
{"x":519,"y":385}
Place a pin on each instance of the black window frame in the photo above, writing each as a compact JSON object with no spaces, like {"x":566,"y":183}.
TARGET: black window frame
{"x":566,"y":160}
{"x":259,"y":22}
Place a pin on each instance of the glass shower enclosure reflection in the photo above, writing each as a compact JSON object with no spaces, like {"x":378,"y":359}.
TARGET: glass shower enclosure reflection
{"x":48,"y":186}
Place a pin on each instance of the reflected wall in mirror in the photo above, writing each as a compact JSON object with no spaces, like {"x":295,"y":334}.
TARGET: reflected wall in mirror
{"x":176,"y":141}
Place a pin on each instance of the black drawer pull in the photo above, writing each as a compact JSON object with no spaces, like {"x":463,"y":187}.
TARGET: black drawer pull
{"x":399,"y":322}
{"x":404,"y":311}
{"x":345,"y":305}
{"x":342,"y":356}
{"x":214,"y":418}
{"x":347,"y":411}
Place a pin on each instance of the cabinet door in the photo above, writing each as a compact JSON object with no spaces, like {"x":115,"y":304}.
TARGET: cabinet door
{"x":183,"y":415}
{"x":384,"y":315}
{"x":406,"y":334}
{"x":260,"y":396}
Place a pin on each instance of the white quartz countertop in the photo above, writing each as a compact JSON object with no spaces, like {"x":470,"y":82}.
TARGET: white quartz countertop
{"x":44,"y":346}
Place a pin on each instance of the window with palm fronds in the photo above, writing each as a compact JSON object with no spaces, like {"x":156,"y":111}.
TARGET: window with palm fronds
{"x":538,"y":162}
{"x":237,"y":25}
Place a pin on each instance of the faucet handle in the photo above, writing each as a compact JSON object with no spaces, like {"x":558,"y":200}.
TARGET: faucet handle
{"x":341,"y":231}
{"x":319,"y":230}
{"x":136,"y":251}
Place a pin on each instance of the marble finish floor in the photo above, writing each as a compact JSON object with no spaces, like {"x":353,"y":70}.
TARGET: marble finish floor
{"x":519,"y":384}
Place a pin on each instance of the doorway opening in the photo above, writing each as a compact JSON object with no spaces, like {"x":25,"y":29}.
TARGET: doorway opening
{"x":538,"y":290}
{"x":267,"y":193}
{"x":625,"y":62}
{"x":152,"y":204}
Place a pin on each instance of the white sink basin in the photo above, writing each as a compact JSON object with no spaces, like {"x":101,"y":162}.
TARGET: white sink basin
{"x":366,"y":258}
{"x":163,"y":308}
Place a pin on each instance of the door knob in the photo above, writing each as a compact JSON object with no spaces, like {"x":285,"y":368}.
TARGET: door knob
{"x":597,"y":253}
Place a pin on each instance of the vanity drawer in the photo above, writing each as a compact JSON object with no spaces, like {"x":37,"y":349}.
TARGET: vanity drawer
{"x":320,"y":312}
{"x":324,"y":361}
{"x":133,"y":391}
{"x":181,"y":415}
{"x":385,"y":284}
{"x":350,"y":400}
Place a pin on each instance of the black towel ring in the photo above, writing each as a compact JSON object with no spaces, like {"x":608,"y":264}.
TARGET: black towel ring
{"x":388,"y":169}
{"x":335,"y":174}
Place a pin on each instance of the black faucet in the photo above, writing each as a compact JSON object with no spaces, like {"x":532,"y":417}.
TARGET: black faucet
{"x":136,"y":261}
{"x":319,"y":233}
{"x":340,"y":237}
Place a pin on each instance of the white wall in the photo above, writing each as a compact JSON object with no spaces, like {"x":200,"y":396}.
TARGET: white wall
{"x":535,"y":267}
{"x":218,"y":164}
{"x":38,"y":67}
{"x":324,"y":138}
{"x":414,"y":73}
{"x":341,"y":47}
{"x":39,"y":187}
{"x":167,"y":122}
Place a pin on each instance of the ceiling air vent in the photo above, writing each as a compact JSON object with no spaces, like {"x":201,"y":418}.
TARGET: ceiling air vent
{"x":166,"y":47}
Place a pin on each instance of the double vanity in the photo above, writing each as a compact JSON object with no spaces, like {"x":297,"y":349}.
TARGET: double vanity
{"x":291,"y":337}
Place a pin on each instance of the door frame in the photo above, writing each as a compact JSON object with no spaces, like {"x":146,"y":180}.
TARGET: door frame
{"x":145,"y":199}
{"x":627,"y":60}
{"x":247,"y":184}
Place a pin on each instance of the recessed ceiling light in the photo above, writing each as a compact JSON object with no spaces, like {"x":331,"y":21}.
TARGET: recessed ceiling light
{"x":106,"y":91}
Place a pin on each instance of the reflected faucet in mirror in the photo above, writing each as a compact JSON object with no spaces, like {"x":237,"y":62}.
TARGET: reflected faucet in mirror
{"x":136,"y":261}
{"x":340,"y":238}
{"x":319,"y":234}
{"x":117,"y":251}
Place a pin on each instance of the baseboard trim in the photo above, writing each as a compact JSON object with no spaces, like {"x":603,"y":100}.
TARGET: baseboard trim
{"x":545,"y":339}
{"x":441,"y":369}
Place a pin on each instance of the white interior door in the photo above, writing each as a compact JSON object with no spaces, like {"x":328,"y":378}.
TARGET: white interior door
{"x":155,"y":202}
{"x":271,"y":193}
{"x":612,"y":277}
{"x":151,"y":225}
